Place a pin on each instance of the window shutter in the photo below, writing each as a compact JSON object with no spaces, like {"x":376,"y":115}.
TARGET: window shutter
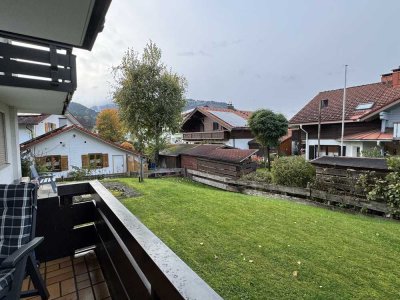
{"x":105,"y":160}
{"x":85,"y":161}
{"x":64,"y":163}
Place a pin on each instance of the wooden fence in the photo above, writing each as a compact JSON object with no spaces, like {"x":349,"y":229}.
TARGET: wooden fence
{"x":255,"y":188}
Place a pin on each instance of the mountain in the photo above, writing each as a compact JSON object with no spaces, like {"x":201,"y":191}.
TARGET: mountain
{"x":192,"y":103}
{"x":99,"y":108}
{"x":86,"y":116}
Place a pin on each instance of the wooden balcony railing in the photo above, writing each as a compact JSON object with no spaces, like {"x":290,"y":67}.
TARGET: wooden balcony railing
{"x":207,"y":135}
{"x":135,"y":262}
{"x":46,"y":67}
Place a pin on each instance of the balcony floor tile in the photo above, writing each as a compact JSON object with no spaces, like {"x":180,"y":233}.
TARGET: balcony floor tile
{"x":72,"y":278}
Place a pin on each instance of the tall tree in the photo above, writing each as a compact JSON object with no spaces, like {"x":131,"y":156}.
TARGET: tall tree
{"x":150,"y":97}
{"x":268,"y":127}
{"x":109,"y":125}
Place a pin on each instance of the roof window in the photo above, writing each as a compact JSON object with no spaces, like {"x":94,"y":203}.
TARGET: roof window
{"x":365,"y":106}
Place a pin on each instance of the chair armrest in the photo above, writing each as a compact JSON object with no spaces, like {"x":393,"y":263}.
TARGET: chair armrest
{"x":12,"y":260}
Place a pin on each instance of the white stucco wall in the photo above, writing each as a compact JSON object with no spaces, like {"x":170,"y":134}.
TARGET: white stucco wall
{"x":351,"y":147}
{"x":11,"y":171}
{"x":74,"y":144}
{"x":239,"y":143}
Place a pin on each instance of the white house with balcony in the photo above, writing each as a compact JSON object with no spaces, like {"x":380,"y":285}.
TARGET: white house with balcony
{"x":34,"y":125}
{"x":372,"y":116}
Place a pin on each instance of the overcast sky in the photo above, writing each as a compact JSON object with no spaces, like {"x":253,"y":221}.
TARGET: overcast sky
{"x":257,"y":54}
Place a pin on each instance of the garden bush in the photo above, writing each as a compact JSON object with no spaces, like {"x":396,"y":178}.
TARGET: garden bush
{"x":262,"y":176}
{"x":292,"y":171}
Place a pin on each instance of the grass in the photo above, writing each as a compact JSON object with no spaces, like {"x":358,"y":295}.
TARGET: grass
{"x":249,"y":247}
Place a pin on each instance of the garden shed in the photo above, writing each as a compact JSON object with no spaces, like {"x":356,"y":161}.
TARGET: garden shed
{"x":219,"y":160}
{"x":341,"y":173}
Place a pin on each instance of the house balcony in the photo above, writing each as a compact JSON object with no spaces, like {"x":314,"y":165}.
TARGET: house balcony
{"x":206,"y":135}
{"x":93,"y":245}
{"x":36,"y":77}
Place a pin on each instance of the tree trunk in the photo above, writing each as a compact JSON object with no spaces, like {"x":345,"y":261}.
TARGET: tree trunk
{"x":269,"y":160}
{"x":141,"y":173}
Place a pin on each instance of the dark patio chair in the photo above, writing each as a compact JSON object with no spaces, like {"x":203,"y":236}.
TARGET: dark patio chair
{"x":44,"y":178}
{"x":18,"y":241}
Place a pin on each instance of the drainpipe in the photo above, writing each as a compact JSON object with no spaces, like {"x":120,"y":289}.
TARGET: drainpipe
{"x":307,"y":148}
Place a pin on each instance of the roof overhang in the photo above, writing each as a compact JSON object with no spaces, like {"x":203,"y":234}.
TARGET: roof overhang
{"x":72,"y":23}
{"x":297,"y":125}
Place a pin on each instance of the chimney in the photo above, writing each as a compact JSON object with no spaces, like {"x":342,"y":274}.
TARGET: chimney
{"x":230,"y":105}
{"x":392,"y":78}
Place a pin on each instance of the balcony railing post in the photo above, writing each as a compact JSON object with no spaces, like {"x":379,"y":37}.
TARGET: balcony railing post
{"x":53,"y":65}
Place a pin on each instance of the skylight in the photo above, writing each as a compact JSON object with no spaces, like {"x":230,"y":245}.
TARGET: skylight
{"x":365,"y":106}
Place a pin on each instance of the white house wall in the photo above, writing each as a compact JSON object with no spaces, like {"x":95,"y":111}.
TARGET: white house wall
{"x":351,"y":147}
{"x":11,"y":171}
{"x":39,"y":129}
{"x":74,"y":144}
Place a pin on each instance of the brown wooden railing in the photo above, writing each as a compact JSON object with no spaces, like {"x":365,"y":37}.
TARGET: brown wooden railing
{"x":208,"y":135}
{"x":135,"y":262}
{"x":40,"y":68}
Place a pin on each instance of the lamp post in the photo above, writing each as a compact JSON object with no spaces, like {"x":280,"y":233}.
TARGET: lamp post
{"x":343,"y":109}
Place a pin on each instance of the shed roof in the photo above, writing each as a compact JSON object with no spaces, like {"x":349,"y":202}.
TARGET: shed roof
{"x":352,"y":162}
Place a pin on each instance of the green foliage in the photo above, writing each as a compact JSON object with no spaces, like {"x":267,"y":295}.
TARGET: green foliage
{"x":393,"y":163}
{"x":383,"y":189}
{"x":25,"y":167}
{"x":373,"y":152}
{"x":337,"y":255}
{"x":268,"y":127}
{"x":262,"y":176}
{"x":150,"y":97}
{"x":292,"y":171}
{"x":78,"y":173}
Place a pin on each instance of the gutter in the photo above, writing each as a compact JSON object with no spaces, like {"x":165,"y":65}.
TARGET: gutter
{"x":307,"y":150}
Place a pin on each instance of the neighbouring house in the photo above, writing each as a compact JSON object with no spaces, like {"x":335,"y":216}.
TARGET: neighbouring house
{"x":215,"y":159}
{"x":217,"y":125}
{"x":73,"y":146}
{"x":284,"y":148}
{"x":372,"y":118}
{"x":33,"y":125}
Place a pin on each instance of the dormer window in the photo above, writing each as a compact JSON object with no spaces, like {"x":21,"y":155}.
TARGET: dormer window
{"x":324,"y":103}
{"x":363,"y":106}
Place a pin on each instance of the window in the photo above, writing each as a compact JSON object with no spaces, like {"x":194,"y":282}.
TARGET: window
{"x":49,"y":126}
{"x":324,"y":103}
{"x":215,"y":126}
{"x":95,"y":160}
{"x":365,"y":106}
{"x":53,"y":163}
{"x":3,"y":144}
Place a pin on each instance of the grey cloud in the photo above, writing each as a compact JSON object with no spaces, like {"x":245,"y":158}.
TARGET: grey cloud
{"x":224,"y":44}
{"x":194,"y":53}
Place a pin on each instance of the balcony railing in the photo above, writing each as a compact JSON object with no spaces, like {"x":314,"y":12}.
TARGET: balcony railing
{"x":207,"y":135}
{"x":37,"y":66}
{"x":135,"y":262}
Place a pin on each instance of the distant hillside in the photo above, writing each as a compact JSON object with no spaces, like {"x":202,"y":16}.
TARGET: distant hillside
{"x":99,"y":108}
{"x":191,"y":103}
{"x":86,"y":116}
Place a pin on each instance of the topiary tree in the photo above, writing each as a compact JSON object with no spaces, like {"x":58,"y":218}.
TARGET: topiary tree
{"x":268,"y":127}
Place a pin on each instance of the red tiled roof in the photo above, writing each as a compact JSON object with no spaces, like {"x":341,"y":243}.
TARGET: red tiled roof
{"x":381,"y":94}
{"x":31,"y":119}
{"x":220,"y":153}
{"x":58,"y":131}
{"x":371,"y":135}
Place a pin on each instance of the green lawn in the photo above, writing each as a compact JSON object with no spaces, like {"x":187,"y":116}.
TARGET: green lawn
{"x":249,"y":247}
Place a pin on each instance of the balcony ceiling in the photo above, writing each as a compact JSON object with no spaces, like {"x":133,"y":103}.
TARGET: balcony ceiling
{"x":33,"y":100}
{"x":73,"y":23}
